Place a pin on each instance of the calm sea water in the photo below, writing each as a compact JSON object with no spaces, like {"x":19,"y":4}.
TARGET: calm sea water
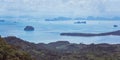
{"x":49,"y":31}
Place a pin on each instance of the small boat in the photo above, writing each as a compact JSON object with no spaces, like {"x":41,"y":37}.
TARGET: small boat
{"x":80,"y":22}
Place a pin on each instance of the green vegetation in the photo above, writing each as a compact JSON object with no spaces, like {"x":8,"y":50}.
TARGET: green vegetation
{"x":8,"y":52}
{"x":61,"y":50}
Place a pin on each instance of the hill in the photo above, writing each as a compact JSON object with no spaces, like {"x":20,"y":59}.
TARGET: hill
{"x":8,"y":52}
{"x":63,"y":50}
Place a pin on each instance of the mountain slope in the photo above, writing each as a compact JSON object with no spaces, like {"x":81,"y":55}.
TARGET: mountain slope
{"x":8,"y":52}
{"x":63,"y":50}
{"x":37,"y":52}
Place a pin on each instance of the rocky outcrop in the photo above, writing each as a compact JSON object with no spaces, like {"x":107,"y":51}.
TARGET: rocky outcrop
{"x":115,"y":25}
{"x":29,"y":28}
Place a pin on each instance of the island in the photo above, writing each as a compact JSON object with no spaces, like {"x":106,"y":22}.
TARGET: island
{"x":116,"y":33}
{"x":29,"y":28}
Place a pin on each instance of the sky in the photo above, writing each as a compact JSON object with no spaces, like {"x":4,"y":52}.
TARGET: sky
{"x":59,"y":7}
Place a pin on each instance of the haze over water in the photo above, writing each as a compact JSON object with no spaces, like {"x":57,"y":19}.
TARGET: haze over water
{"x":49,"y":31}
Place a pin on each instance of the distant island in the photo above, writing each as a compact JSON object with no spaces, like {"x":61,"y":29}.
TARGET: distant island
{"x":59,"y":18}
{"x":117,"y":33}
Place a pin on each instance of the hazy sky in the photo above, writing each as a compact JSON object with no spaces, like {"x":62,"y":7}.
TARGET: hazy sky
{"x":60,"y":7}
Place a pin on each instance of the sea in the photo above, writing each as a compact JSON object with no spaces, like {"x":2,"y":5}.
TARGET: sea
{"x":49,"y":31}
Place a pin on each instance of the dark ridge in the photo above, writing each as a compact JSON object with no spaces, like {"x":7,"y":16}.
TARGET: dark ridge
{"x":37,"y":51}
{"x":10,"y":52}
{"x":63,"y":50}
{"x":116,"y":33}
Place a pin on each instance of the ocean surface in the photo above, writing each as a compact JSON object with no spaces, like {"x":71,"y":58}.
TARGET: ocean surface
{"x":49,"y":31}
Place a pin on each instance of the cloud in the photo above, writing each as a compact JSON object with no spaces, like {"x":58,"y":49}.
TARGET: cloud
{"x":61,"y":7}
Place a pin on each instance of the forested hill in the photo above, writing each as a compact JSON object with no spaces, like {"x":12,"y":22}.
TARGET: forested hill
{"x":8,"y":52}
{"x":63,"y":50}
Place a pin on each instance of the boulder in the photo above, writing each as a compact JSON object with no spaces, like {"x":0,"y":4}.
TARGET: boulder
{"x":29,"y":28}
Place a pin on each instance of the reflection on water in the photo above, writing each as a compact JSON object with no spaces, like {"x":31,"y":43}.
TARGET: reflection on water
{"x":48,"y":31}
